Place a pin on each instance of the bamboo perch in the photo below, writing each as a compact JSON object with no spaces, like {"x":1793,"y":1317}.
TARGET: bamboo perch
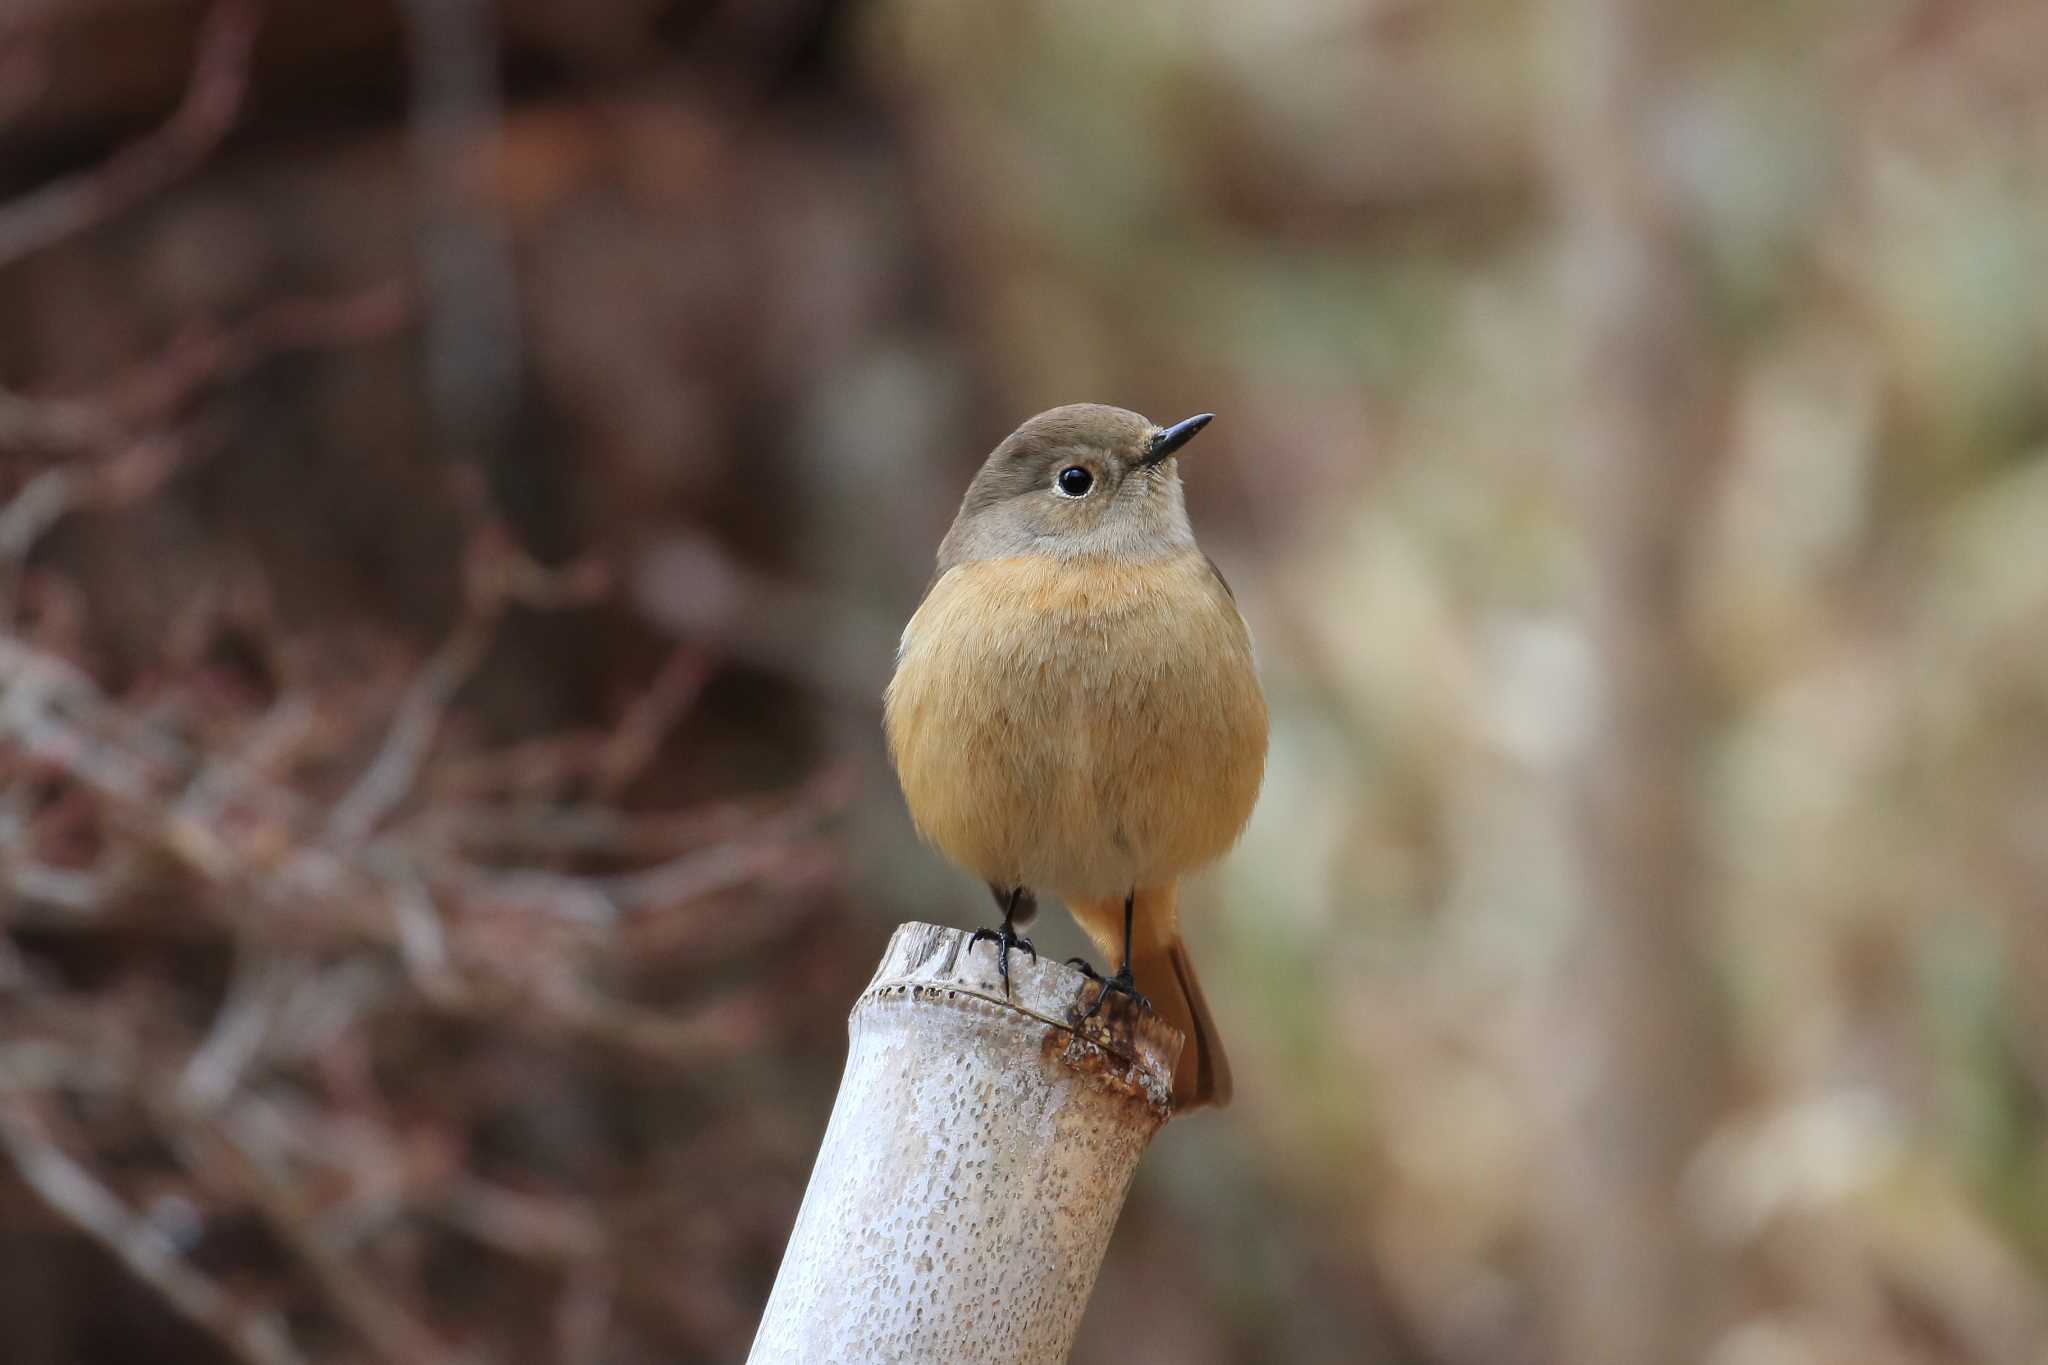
{"x":976,"y":1159}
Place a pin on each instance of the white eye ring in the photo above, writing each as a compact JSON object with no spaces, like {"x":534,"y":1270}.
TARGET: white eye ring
{"x":1080,"y":487}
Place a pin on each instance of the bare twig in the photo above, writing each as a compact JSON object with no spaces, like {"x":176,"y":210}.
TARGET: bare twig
{"x":174,"y":810}
{"x":109,"y":420}
{"x":545,"y":830}
{"x":49,"y":497}
{"x":56,"y":714}
{"x":380,"y":1319}
{"x":564,"y":1010}
{"x":733,"y":854}
{"x":390,"y":774}
{"x":694,"y":876}
{"x":228,"y":825}
{"x":56,"y":424}
{"x":117,"y":424}
{"x":262,"y":982}
{"x":632,"y":746}
{"x":213,"y":355}
{"x":521,"y":1224}
{"x":29,"y":514}
{"x":422,"y":943}
{"x":82,"y":892}
{"x":497,"y":574}
{"x":716,"y":1032}
{"x":246,"y":773}
{"x":213,"y":99}
{"x":71,"y":1191}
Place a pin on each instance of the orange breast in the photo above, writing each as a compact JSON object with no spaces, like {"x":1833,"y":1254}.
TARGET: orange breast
{"x":1078,"y":726}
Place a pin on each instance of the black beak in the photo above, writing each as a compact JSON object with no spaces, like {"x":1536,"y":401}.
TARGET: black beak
{"x":1174,"y":437}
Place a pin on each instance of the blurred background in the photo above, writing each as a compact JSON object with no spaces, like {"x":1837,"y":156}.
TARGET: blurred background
{"x":464,"y":464}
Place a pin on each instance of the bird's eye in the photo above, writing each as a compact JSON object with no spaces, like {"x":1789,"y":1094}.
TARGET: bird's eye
{"x":1074,"y":482}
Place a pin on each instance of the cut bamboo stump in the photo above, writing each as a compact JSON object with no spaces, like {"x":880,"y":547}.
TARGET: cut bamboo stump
{"x":974,"y":1166}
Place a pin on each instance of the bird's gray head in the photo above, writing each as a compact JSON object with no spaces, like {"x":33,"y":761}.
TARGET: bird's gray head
{"x":1082,"y":480}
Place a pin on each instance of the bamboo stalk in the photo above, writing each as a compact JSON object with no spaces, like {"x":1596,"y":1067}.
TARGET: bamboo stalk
{"x":974,"y":1166}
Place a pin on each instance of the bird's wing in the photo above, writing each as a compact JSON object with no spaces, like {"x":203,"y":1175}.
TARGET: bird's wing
{"x":1224,"y":583}
{"x":903,"y":641}
{"x":1220,"y":579}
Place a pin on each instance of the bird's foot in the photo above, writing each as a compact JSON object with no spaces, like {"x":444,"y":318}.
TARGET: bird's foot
{"x":1120,"y":984}
{"x":1005,"y":939}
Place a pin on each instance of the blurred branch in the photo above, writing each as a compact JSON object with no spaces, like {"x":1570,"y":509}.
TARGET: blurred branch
{"x":390,"y":774}
{"x":355,"y":891}
{"x":71,"y":1191}
{"x":298,"y":795}
{"x":1648,"y":1074}
{"x":377,"y":1316}
{"x":498,"y":574}
{"x":205,"y":357}
{"x":57,"y":424}
{"x":522,"y":1224}
{"x":633,"y":743}
{"x":687,"y":583}
{"x":123,"y":423}
{"x":213,"y":99}
{"x":46,"y":499}
{"x":210,"y":356}
{"x":55,"y":713}
{"x":263,"y":980}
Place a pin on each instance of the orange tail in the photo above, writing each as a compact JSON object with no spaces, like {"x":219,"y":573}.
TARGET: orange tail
{"x":1163,"y":972}
{"x":1203,"y":1073}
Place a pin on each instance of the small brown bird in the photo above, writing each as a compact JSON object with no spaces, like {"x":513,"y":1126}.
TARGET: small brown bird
{"x":1075,"y":708}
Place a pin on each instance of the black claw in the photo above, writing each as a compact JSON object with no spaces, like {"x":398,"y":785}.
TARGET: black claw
{"x":1120,"y":984}
{"x":1005,"y":939}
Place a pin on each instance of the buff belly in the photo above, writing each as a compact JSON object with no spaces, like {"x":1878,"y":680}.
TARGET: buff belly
{"x":1077,"y":726}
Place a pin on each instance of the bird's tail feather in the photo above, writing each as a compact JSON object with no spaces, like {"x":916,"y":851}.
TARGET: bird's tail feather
{"x":1203,"y":1073}
{"x":1163,"y":973}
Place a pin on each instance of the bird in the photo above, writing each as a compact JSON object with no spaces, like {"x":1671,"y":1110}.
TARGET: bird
{"x":1076,"y":710}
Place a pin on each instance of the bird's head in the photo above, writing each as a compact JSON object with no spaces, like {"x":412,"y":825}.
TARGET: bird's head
{"x":1082,"y":480}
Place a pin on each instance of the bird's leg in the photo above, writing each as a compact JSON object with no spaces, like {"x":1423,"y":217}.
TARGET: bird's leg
{"x":1007,"y":937}
{"x":1121,"y":983}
